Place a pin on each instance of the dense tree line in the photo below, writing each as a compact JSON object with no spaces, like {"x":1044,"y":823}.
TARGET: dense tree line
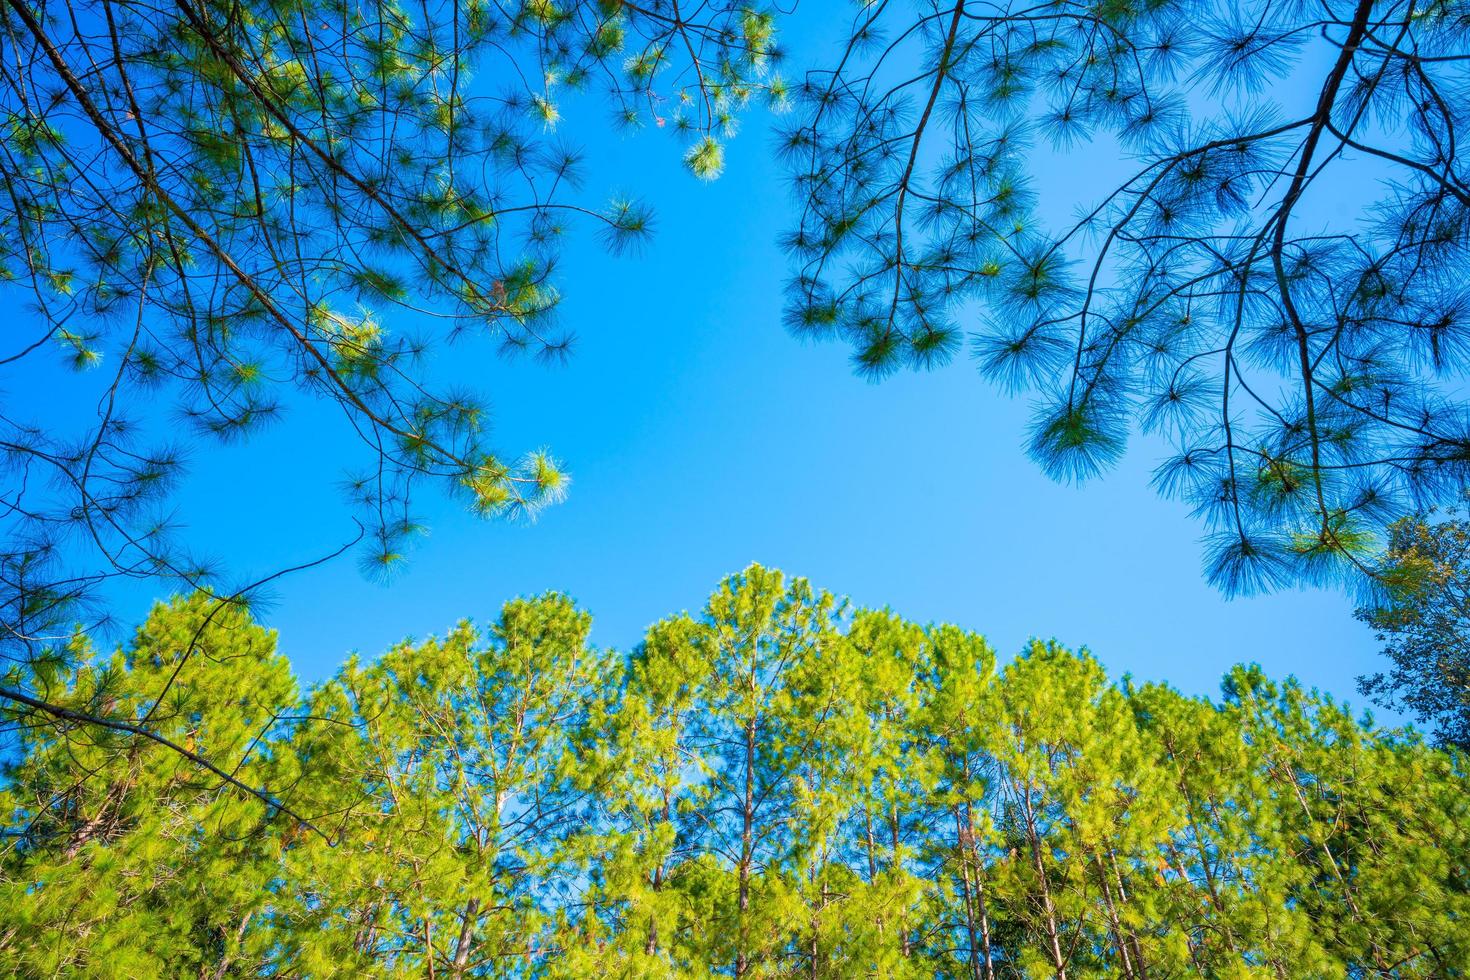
{"x":779,"y":786}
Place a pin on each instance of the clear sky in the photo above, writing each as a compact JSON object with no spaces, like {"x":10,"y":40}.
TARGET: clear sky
{"x":701,"y":436}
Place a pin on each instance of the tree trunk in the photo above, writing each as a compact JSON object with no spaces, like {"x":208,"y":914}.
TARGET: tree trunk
{"x":1053,"y":939}
{"x":466,"y":936}
{"x":1115,"y":925}
{"x":229,"y":957}
{"x":747,"y":823}
{"x":896,"y":867}
{"x":977,"y":921}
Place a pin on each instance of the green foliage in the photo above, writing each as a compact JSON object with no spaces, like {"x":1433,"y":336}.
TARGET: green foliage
{"x":706,"y":159}
{"x":1424,"y":617}
{"x":779,"y":786}
{"x":229,"y":208}
{"x":123,"y":858}
{"x":1275,"y":283}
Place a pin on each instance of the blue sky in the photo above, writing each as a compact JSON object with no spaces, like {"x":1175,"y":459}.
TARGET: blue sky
{"x":700,"y":437}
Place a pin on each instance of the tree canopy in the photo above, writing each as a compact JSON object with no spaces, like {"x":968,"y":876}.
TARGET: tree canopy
{"x":1425,"y":619}
{"x":1277,"y":285}
{"x":781,"y":785}
{"x":224,"y":210}
{"x":227,"y":207}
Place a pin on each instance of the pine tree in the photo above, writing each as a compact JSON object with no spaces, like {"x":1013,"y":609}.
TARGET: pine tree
{"x":461,"y":750}
{"x":1423,"y":613}
{"x":225,"y":210}
{"x":121,"y":856}
{"x":954,"y":735}
{"x":643,"y":846}
{"x":748,"y":742}
{"x":1291,"y":322}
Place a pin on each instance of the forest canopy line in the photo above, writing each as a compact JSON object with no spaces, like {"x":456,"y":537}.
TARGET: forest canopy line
{"x":217,"y":216}
{"x":779,"y":786}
